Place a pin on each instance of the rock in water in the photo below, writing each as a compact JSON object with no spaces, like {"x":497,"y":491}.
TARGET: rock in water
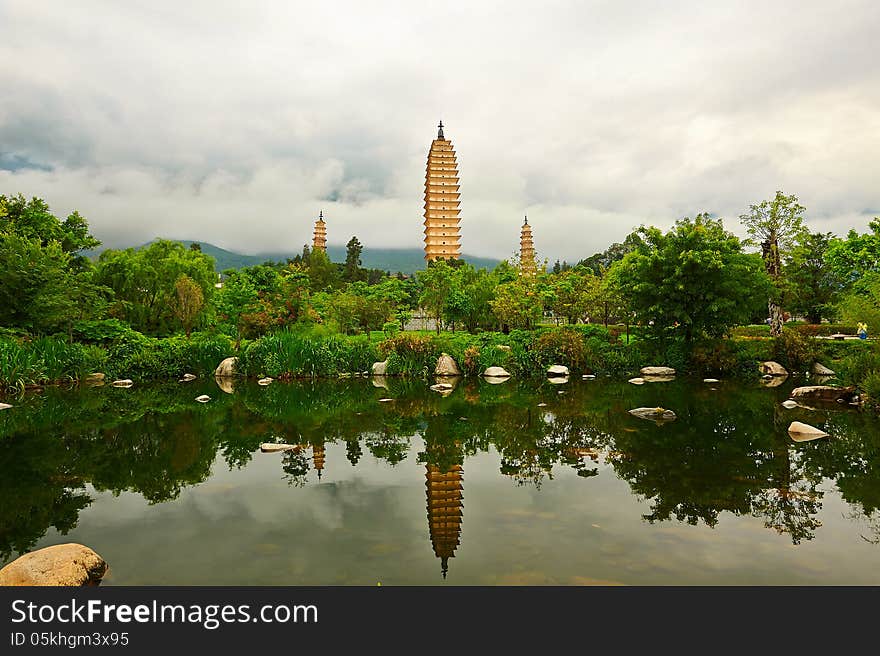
{"x":123,"y":382}
{"x":825,"y":393}
{"x":187,"y":377}
{"x":95,"y":377}
{"x":5,"y":406}
{"x":636,"y":381}
{"x":711,"y":380}
{"x":801,"y":432}
{"x":588,"y":377}
{"x":275,"y":447}
{"x":264,"y":381}
{"x":557,"y":380}
{"x":771,"y":368}
{"x":496,"y":372}
{"x":225,"y":383}
{"x":226,"y":369}
{"x":379,"y":368}
{"x":789,"y":404}
{"x":657,"y":371}
{"x":654,"y":378}
{"x":773,"y":381}
{"x":446,"y":366}
{"x":557,"y":371}
{"x":442,"y":387}
{"x":68,"y":564}
{"x":656,"y":414}
{"x":821,"y":370}
{"x":204,"y":398}
{"x":385,"y":400}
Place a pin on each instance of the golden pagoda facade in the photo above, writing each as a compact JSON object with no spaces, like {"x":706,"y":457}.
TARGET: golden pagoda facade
{"x":527,"y":249}
{"x":444,"y":491}
{"x":319,"y":240}
{"x":442,"y":214}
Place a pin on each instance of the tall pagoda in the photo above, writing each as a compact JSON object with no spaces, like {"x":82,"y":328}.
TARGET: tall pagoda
{"x":444,"y":490}
{"x":442,"y":238}
{"x":319,"y":241}
{"x":527,"y":249}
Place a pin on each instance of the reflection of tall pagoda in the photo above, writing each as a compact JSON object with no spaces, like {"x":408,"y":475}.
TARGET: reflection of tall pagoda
{"x":526,"y":249}
{"x":442,"y":239}
{"x":445,"y":505}
{"x":319,"y":241}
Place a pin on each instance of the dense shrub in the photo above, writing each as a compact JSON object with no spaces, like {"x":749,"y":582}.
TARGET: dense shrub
{"x":794,"y":350}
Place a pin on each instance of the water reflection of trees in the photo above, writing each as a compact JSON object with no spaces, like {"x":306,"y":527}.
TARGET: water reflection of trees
{"x":726,"y":452}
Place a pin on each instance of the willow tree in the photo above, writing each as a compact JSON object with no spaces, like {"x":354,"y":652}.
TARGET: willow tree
{"x":776,"y":225}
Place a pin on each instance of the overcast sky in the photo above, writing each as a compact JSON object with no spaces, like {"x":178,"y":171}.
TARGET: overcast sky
{"x":235,"y":123}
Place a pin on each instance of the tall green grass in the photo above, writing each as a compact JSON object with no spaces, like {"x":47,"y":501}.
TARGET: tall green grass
{"x":25,"y":363}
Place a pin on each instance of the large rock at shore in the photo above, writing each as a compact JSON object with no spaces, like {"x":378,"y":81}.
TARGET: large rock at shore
{"x":496,"y":372}
{"x":557,"y":371}
{"x":655,"y":414}
{"x":446,"y":366}
{"x":823,"y":393}
{"x":5,"y":406}
{"x":226,"y":369}
{"x":771,"y":368}
{"x":657,"y":371}
{"x":68,"y":564}
{"x":379,"y":368}
{"x":821,"y":370}
{"x":801,"y":432}
{"x":653,"y":378}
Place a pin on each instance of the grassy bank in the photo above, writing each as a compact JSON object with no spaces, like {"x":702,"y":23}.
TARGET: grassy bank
{"x":315,"y":352}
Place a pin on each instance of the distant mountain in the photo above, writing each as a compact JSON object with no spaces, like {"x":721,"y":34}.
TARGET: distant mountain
{"x":404,"y":260}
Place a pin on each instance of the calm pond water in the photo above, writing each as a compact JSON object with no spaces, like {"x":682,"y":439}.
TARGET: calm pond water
{"x":517,"y":483}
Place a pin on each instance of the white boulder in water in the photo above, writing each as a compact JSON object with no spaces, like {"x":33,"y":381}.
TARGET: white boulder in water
{"x":204,"y":398}
{"x":187,"y":377}
{"x":801,"y":432}
{"x":264,"y":381}
{"x":123,"y":382}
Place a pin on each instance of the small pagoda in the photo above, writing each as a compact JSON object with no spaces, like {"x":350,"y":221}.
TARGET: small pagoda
{"x":444,"y":491}
{"x":527,"y":249}
{"x":442,"y":238}
{"x":319,"y":241}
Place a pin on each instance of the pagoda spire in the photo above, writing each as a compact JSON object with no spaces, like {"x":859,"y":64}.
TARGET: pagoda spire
{"x":442,"y":238}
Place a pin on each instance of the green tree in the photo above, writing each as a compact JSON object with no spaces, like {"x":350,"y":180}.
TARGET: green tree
{"x":436,"y":282}
{"x":575,"y":294}
{"x":856,"y":256}
{"x":518,"y":303}
{"x":693,"y":280}
{"x":323,"y":274}
{"x":352,"y":269}
{"x":143,"y":281}
{"x":187,"y":302}
{"x":813,"y":284}
{"x":776,"y":225}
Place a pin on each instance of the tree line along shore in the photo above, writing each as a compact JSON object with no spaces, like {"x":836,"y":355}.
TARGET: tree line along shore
{"x":695,"y":298}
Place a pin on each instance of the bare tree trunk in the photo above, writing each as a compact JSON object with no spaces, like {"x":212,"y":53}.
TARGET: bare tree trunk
{"x":776,"y":321}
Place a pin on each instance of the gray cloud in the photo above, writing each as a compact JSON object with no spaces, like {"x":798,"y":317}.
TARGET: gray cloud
{"x":235,"y":125}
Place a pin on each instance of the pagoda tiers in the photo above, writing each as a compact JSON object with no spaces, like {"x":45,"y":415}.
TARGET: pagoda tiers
{"x":318,"y":455}
{"x":445,"y":505}
{"x":442,"y":238}
{"x":319,"y":241}
{"x":527,"y":249}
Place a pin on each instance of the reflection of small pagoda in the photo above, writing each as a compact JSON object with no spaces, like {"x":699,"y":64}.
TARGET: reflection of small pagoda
{"x":444,"y":490}
{"x":318,"y":457}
